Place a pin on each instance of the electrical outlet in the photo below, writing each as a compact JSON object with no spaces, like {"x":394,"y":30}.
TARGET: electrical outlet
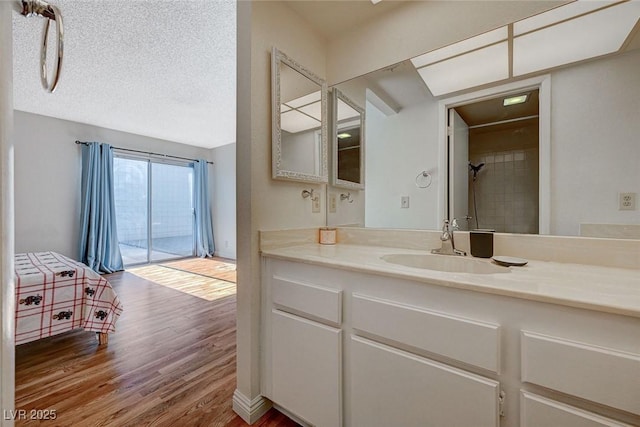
{"x":332,"y":202}
{"x":627,"y":202}
{"x":315,"y":205}
{"x":404,"y":202}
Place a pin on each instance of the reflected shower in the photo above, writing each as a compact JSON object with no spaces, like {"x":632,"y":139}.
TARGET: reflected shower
{"x":475,"y":169}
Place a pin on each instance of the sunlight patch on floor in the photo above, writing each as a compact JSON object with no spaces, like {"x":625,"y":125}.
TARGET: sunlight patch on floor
{"x":197,"y":285}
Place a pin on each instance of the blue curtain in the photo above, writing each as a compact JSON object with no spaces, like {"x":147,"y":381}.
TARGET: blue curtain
{"x":204,"y":227}
{"x":98,"y":237}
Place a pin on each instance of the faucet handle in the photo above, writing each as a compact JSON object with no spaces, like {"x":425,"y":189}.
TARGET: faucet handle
{"x":454,"y":224}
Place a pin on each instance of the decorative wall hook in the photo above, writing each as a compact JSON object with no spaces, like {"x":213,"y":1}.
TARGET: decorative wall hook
{"x":308,"y":193}
{"x":346,"y":197}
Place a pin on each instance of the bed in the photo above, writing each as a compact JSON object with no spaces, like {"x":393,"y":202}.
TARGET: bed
{"x":56,"y":294}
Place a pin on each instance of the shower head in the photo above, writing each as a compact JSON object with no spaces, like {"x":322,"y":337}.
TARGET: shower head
{"x":475,"y":169}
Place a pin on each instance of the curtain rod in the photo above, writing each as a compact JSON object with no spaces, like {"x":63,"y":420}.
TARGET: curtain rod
{"x":147,"y":152}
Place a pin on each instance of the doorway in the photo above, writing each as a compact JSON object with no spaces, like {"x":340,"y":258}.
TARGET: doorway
{"x":154,"y":209}
{"x":540,"y":85}
{"x":495,"y":150}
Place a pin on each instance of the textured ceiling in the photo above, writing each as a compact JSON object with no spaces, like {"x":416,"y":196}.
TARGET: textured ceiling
{"x":164,"y":69}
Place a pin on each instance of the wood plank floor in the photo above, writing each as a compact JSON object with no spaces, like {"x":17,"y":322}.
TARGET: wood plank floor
{"x":171,"y":362}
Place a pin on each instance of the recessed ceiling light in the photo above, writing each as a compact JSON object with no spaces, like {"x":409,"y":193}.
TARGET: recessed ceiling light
{"x":344,"y":135}
{"x":515,"y":100}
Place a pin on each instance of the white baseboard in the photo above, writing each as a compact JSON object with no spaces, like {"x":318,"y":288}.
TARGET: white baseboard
{"x":225,"y":254}
{"x":250,"y":410}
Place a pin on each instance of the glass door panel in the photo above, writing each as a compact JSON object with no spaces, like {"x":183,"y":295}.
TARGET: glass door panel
{"x":131,"y":199}
{"x":172,"y":215}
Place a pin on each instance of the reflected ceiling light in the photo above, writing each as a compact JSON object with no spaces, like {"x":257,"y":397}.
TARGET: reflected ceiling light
{"x":585,"y":37}
{"x":571,"y":33}
{"x":294,"y":121}
{"x":314,"y":110}
{"x":558,"y":14}
{"x":479,"y":67}
{"x":344,"y":135}
{"x":304,"y":100}
{"x":515,"y":100}
{"x":464,"y":46}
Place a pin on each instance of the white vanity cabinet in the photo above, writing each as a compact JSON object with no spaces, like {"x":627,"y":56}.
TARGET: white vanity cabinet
{"x":302,"y":339}
{"x":352,"y":348}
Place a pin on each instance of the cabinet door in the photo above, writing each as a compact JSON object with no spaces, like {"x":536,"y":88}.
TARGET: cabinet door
{"x":306,"y":369}
{"x":537,"y":411}
{"x":390,"y":387}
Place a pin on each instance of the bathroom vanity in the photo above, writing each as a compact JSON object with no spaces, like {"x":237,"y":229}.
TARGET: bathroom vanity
{"x":354,"y":337}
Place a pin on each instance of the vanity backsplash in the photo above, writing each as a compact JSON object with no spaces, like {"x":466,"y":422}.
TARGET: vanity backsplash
{"x":615,"y":253}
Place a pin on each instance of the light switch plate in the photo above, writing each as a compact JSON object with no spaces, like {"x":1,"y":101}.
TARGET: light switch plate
{"x":332,"y":202}
{"x":404,"y":202}
{"x":315,"y":205}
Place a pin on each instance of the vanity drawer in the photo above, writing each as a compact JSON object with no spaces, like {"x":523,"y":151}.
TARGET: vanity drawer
{"x":468,"y":341}
{"x":595,"y":373}
{"x":310,"y":301}
{"x":537,"y":411}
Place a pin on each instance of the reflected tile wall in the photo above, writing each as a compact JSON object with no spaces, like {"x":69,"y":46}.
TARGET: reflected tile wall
{"x":506,"y":188}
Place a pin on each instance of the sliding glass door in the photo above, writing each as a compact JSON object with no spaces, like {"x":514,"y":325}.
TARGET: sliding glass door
{"x":154,"y":209}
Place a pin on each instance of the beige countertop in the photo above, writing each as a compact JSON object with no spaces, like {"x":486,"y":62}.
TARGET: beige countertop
{"x":606,"y":289}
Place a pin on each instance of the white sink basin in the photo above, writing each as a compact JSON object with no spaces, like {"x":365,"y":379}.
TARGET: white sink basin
{"x":448,"y":263}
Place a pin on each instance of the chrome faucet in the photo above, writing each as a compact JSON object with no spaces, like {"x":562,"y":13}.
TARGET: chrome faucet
{"x":448,"y":244}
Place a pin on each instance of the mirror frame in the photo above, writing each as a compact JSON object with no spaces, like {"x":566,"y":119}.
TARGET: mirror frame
{"x":335,"y":181}
{"x":277,"y":172}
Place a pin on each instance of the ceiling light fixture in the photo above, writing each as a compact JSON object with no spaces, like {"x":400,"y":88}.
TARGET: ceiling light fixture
{"x":375,"y":1}
{"x":344,"y":135}
{"x":515,"y":100}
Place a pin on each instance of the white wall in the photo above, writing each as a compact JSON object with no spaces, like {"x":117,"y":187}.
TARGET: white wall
{"x":399,"y":147}
{"x":595,"y":148}
{"x":223,"y":200}
{"x":48,"y":174}
{"x":7,"y":292}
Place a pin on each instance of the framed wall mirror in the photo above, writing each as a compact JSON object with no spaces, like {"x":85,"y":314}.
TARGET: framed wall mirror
{"x":299,"y":121}
{"x":348,"y":137}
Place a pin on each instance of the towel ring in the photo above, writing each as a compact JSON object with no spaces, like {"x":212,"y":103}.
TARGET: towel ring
{"x":423,"y":179}
{"x":49,"y":12}
{"x":50,"y":87}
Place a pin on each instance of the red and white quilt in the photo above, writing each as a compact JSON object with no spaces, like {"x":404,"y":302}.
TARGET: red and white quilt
{"x":55,"y":294}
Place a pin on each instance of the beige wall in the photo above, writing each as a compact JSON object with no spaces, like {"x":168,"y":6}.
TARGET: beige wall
{"x":264,"y":203}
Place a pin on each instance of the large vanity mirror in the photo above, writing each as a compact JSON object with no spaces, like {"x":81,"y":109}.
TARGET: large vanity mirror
{"x":348,"y":140}
{"x":559,"y":162}
{"x":299,"y":121}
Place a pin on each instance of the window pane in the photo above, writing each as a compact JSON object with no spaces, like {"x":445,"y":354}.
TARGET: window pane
{"x":171,"y":211}
{"x":130,"y":188}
